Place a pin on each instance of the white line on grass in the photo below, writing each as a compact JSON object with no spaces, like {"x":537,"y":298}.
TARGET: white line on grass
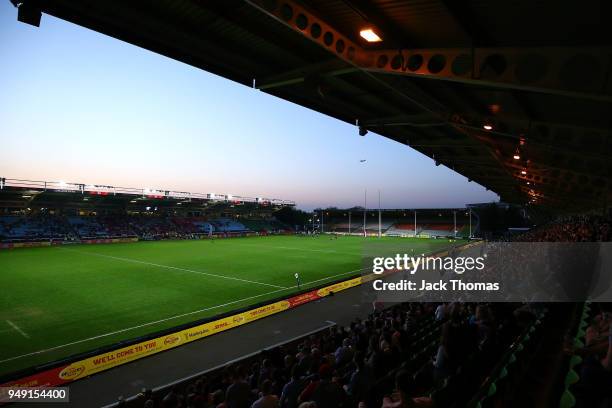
{"x":14,"y":326}
{"x":327,"y":251}
{"x":335,"y":276}
{"x":138,"y":326}
{"x":169,"y":318}
{"x":118,"y":258}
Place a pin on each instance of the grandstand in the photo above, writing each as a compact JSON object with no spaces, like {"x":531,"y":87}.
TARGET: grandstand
{"x":54,"y":211}
{"x":137,"y":297}
{"x":429,"y":222}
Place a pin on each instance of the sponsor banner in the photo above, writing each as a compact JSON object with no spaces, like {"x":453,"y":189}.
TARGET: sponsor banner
{"x":339,"y":286}
{"x":49,"y":378}
{"x":86,"y":367}
{"x":25,"y":245}
{"x":109,"y":240}
{"x":49,"y":243}
{"x":303,"y":298}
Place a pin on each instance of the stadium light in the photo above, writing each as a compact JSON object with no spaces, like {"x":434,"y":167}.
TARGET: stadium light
{"x":370,"y":35}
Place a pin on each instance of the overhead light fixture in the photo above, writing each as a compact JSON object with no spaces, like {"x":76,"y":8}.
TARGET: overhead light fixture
{"x":523,"y":172}
{"x":487,"y":126}
{"x":369,"y":35}
{"x":516,"y":157}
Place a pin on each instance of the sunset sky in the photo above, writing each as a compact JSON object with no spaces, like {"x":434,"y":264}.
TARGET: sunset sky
{"x":78,"y":106}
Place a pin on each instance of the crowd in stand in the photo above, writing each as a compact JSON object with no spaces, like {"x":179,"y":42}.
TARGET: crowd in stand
{"x":69,"y":228}
{"x":369,"y":363}
{"x":35,"y":227}
{"x":584,"y":228}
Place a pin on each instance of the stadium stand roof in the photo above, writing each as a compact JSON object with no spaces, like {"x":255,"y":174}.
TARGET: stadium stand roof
{"x":22,"y":193}
{"x":516,"y":96}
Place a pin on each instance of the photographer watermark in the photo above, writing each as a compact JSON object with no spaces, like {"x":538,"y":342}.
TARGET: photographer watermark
{"x":492,"y":272}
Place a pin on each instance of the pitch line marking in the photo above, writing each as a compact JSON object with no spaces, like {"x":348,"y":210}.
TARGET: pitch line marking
{"x":175,"y":268}
{"x":137,"y":327}
{"x":168,"y":318}
{"x":327,"y":251}
{"x":18,"y":329}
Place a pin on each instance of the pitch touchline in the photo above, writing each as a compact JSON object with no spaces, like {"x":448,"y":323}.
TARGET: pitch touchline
{"x":118,"y":258}
{"x":166,"y":319}
{"x":138,"y":326}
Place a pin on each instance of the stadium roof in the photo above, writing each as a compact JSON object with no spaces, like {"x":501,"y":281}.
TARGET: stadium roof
{"x":516,"y":96}
{"x":23,"y":193}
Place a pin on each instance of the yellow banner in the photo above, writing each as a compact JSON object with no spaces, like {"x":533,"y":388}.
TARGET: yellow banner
{"x":124,"y":355}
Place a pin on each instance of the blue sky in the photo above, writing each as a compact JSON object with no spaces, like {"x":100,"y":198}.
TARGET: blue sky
{"x":78,"y":106}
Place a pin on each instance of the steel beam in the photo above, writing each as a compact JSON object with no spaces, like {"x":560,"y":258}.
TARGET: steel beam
{"x":579,"y":72}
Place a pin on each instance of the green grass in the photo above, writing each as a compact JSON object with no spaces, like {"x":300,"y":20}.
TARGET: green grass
{"x":82,"y":294}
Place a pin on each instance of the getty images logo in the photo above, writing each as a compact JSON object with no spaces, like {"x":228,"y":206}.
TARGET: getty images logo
{"x":412,"y":264}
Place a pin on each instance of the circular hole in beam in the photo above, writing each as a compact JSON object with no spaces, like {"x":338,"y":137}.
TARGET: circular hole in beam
{"x":315,"y":30}
{"x":461,"y":65}
{"x":436,"y":63}
{"x":397,"y":61}
{"x":301,"y":21}
{"x":286,"y":12}
{"x":340,"y":46}
{"x":415,"y":62}
{"x":382,"y":61}
{"x":493,"y":66}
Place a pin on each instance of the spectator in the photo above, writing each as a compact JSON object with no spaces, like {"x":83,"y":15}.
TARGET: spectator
{"x":291,"y":390}
{"x":266,"y":399}
{"x":238,"y":394}
{"x":402,"y":397}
